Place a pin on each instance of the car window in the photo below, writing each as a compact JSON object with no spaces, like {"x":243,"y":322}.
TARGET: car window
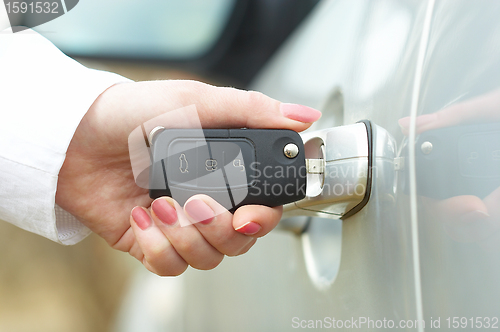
{"x":163,"y":29}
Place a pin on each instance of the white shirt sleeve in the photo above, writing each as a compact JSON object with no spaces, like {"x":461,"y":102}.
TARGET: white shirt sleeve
{"x":43,"y":96}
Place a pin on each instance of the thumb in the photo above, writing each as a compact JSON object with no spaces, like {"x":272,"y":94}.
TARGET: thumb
{"x":232,"y":108}
{"x":480,"y":109}
{"x":163,"y":103}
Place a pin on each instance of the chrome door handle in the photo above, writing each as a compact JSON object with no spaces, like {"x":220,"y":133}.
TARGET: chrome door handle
{"x":344,"y":186}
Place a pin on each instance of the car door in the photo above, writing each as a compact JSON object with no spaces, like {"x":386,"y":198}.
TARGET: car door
{"x":395,"y":260}
{"x":354,"y":61}
{"x":423,"y":253}
{"x":459,"y":253}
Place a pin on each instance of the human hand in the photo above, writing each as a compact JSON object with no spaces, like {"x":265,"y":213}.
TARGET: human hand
{"x":97,"y":186}
{"x":466,"y":218}
{"x":482,"y":109}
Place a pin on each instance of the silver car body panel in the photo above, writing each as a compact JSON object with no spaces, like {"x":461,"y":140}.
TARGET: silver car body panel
{"x":395,"y":259}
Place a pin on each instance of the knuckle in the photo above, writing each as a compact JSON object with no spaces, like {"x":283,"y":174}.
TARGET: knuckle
{"x":186,"y":89}
{"x":185,"y":247}
{"x":155,"y":253}
{"x":174,"y":271}
{"x":255,"y":99}
{"x":208,"y":264}
{"x":196,"y":87}
{"x":137,"y":255}
{"x":165,"y":267}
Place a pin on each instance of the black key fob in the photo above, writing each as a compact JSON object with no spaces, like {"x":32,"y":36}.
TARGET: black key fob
{"x":234,"y":166}
{"x":459,"y":160}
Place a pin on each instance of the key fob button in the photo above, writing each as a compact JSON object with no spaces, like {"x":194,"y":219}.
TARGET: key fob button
{"x":180,"y":163}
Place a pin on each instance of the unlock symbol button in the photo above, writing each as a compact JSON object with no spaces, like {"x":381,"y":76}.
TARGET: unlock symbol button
{"x":238,"y":164}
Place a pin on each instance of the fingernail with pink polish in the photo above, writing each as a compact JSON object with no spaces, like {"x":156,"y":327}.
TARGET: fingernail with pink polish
{"x":250,"y":228}
{"x":199,"y":211}
{"x":164,"y":211}
{"x":141,"y":217}
{"x":404,"y":122}
{"x":475,"y":215}
{"x":299,"y":112}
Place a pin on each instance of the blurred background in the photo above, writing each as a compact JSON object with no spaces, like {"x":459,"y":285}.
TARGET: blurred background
{"x":227,"y":40}
{"x":46,"y":287}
